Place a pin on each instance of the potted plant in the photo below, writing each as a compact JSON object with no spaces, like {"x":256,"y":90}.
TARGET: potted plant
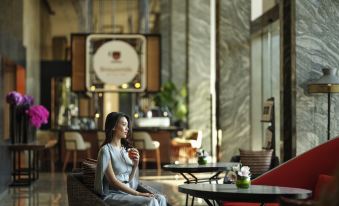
{"x":175,"y":100}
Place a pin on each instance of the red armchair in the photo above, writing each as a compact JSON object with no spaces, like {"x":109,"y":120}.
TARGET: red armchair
{"x":302,"y":171}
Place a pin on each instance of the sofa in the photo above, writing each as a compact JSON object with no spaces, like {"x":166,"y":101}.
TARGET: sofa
{"x":313,"y":170}
{"x":80,"y":195}
{"x":80,"y":185}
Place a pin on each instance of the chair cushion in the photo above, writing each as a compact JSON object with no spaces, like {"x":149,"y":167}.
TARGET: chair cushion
{"x":323,"y":184}
{"x":88,"y":167}
{"x":258,"y":161}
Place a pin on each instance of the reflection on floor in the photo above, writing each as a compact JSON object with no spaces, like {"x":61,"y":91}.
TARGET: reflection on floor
{"x":50,"y":190}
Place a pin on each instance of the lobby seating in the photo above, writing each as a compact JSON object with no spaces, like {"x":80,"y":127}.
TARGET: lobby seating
{"x":185,"y":145}
{"x":143,"y":142}
{"x":259,"y":161}
{"x":80,"y":185}
{"x":74,"y":143}
{"x":304,"y":171}
{"x":46,"y":136}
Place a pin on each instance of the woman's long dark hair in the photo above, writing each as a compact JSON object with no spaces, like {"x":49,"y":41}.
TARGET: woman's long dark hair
{"x":111,"y":120}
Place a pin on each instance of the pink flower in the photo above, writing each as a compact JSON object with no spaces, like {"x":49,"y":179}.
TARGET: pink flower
{"x":38,"y":115}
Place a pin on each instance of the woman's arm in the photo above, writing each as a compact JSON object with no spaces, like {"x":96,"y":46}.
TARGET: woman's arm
{"x":133,"y":154}
{"x":119,"y":185}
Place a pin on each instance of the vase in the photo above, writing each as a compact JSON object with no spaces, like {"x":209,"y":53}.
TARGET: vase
{"x":13,"y":124}
{"x":202,"y":160}
{"x":243,"y":183}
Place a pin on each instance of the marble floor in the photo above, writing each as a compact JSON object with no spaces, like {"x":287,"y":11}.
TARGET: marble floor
{"x":50,"y":190}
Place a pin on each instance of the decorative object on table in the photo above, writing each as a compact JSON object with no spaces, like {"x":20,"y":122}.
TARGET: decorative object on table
{"x":202,"y":157}
{"x":24,"y":117}
{"x":240,"y":175}
{"x":328,"y":83}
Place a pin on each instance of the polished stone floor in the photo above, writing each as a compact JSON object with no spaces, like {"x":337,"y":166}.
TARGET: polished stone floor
{"x":50,"y":190}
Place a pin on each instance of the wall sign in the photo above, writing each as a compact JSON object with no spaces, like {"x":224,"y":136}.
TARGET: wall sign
{"x":115,"y":63}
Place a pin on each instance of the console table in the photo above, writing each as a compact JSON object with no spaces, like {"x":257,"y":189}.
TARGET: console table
{"x":24,"y":176}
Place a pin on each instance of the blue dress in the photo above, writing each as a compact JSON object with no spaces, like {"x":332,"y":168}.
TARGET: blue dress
{"x":122,"y":167}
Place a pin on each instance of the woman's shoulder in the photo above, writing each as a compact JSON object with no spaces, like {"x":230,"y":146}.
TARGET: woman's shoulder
{"x":105,"y":148}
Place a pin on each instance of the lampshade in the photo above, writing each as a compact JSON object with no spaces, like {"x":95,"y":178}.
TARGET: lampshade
{"x":328,"y":83}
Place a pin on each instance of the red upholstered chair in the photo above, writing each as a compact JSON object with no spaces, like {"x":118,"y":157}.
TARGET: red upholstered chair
{"x":302,"y":171}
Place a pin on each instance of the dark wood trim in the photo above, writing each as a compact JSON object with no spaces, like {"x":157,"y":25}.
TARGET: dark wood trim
{"x":288,"y":72}
{"x":267,"y":18}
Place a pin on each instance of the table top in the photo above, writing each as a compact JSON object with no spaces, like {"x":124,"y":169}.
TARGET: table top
{"x":196,"y":168}
{"x":255,"y":193}
{"x":36,"y":145}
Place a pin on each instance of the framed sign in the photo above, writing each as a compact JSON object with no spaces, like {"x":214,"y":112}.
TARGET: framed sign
{"x":267,"y":111}
{"x":115,"y":63}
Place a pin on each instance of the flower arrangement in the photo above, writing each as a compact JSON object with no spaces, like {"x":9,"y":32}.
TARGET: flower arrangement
{"x":240,"y":175}
{"x":239,"y":172}
{"x":15,"y":98}
{"x":37,"y":114}
{"x":202,"y":153}
{"x":202,"y":156}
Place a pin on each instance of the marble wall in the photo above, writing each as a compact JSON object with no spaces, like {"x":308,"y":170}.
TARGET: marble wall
{"x":234,"y":54}
{"x":31,"y":36}
{"x":11,"y":46}
{"x":5,"y":169}
{"x":199,"y":69}
{"x":186,"y":51}
{"x":11,"y":30}
{"x":179,"y":43}
{"x":316,"y":47}
{"x":165,"y":30}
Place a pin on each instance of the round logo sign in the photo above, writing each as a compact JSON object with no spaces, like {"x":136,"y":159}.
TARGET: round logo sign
{"x":116,"y":62}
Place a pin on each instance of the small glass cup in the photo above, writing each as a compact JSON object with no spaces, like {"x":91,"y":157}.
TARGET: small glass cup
{"x":131,"y":153}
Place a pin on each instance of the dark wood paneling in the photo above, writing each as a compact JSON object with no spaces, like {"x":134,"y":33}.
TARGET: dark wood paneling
{"x":78,"y":59}
{"x":153,"y":63}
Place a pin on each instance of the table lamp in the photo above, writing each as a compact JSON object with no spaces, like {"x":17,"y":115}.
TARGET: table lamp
{"x":328,"y":83}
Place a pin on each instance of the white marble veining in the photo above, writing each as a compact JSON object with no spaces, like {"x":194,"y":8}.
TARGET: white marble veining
{"x":165,"y":40}
{"x":178,"y":45}
{"x":199,"y":69}
{"x":316,"y":47}
{"x":234,"y":76}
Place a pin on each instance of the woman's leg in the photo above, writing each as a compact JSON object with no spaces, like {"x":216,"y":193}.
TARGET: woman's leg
{"x":130,"y":200}
{"x":161,"y":199}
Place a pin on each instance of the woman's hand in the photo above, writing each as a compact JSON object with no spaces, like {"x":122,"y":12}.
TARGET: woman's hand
{"x":133,"y":154}
{"x":145,"y":194}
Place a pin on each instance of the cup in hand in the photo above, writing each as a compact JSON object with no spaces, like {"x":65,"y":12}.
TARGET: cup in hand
{"x":132,"y":153}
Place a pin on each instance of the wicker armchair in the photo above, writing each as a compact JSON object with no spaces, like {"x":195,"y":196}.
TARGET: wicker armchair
{"x":80,"y":195}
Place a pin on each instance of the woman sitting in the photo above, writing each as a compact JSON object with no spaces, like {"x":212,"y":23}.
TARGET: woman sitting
{"x":116,"y":174}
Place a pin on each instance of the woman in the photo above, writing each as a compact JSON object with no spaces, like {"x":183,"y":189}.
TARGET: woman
{"x":116,"y":174}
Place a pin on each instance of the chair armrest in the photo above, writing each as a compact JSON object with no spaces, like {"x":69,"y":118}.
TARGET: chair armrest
{"x":79,"y":195}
